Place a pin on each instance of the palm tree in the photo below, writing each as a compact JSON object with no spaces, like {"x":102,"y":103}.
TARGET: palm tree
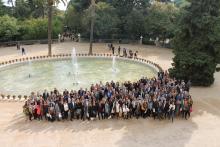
{"x":92,"y":25}
{"x":50,"y":11}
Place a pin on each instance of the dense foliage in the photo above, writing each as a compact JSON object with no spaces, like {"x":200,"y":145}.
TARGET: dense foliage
{"x":8,"y":28}
{"x":27,"y":20}
{"x":197,"y":43}
{"x":114,"y":19}
{"x":120,"y":19}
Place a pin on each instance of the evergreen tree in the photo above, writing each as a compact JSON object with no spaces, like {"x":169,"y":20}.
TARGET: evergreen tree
{"x":196,"y":43}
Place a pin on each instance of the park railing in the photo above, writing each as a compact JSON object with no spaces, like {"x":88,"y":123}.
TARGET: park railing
{"x":26,"y":42}
{"x":45,"y":41}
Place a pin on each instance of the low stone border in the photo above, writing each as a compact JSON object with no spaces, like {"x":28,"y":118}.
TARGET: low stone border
{"x":21,"y":98}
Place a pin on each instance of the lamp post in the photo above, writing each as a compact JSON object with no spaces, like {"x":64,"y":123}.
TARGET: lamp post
{"x":59,"y":38}
{"x":79,"y":37}
{"x":141,"y":39}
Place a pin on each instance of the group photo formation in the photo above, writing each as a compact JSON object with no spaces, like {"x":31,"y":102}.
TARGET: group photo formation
{"x":113,"y":73}
{"x":160,"y":98}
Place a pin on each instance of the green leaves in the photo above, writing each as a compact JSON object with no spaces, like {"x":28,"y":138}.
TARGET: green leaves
{"x":161,"y":20}
{"x":197,"y":43}
{"x":35,"y":29}
{"x":8,"y":28}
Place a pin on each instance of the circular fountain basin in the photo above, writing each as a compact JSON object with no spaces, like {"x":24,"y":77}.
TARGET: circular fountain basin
{"x":23,"y":78}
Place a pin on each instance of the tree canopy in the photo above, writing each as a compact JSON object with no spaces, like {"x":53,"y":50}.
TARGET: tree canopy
{"x":197,"y":43}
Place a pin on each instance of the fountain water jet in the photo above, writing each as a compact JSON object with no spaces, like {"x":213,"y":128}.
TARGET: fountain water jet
{"x":113,"y":64}
{"x":29,"y":64}
{"x":75,"y":66}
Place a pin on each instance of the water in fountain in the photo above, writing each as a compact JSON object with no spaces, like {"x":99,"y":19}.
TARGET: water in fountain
{"x":75,"y":66}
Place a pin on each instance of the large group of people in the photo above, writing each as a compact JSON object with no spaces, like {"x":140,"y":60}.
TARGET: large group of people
{"x":158,"y":98}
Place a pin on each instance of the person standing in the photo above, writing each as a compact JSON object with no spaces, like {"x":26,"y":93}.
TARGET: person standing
{"x":111,"y":45}
{"x":23,"y":51}
{"x":71,"y":105}
{"x":66,"y":110}
{"x":119,"y":50}
{"x":172,"y":110}
{"x":26,"y":110}
{"x":113,"y":50}
{"x":135,"y":54}
{"x":57,"y":111}
{"x":86,"y":109}
{"x":186,"y":109}
{"x":107,"y":109}
{"x":190,"y":102}
{"x":38,"y":109}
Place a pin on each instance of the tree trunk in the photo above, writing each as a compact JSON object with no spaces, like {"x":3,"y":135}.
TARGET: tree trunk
{"x":50,"y":9}
{"x":91,"y":37}
{"x":92,"y":26}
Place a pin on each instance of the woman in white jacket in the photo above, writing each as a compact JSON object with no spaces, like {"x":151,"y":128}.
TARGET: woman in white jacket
{"x":172,"y":110}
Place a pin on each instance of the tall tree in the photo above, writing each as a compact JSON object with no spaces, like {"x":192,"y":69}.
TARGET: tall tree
{"x":124,"y":9}
{"x":197,"y":43}
{"x":22,"y":9}
{"x":1,"y":8}
{"x":106,"y":21}
{"x":92,"y":25}
{"x":12,"y":5}
{"x":161,"y":21}
{"x":80,"y":5}
{"x":50,"y":4}
{"x":11,"y":2}
{"x":38,"y":8}
{"x":134,"y":24}
{"x":8,"y":28}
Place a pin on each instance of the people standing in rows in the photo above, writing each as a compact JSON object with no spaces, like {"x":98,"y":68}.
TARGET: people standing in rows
{"x":135,"y":54}
{"x":158,"y":98}
{"x":110,"y":46}
{"x":130,"y":54}
{"x":124,"y":52}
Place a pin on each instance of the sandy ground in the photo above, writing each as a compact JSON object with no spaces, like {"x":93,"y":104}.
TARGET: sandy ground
{"x":201,"y":130}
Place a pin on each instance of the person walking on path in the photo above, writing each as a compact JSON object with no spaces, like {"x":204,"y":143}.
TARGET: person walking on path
{"x":172,"y":110}
{"x":23,"y":51}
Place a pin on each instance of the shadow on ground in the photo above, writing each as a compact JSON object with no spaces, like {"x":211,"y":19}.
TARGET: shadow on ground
{"x":141,"y":132}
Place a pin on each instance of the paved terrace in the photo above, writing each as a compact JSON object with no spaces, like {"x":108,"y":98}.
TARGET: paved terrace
{"x":201,"y":130}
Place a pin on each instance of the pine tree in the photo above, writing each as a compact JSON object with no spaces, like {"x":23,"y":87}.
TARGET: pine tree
{"x":196,"y":43}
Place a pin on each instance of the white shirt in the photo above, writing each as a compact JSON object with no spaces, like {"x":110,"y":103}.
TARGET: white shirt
{"x":172,"y":107}
{"x":66,"y":108}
